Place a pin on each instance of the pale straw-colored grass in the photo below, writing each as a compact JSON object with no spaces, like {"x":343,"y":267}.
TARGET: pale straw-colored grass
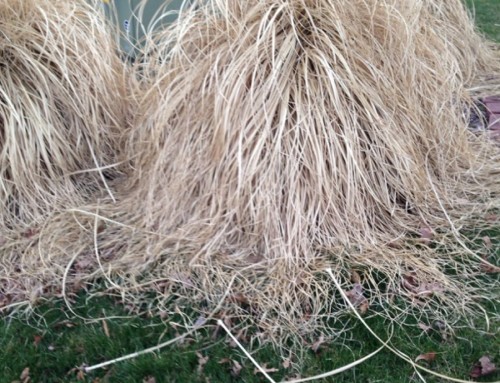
{"x":61,"y":115}
{"x":60,"y":81}
{"x":276,"y":139}
{"x":279,"y":138}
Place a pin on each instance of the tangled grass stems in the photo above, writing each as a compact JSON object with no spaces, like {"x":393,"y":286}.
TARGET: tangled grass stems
{"x":279,"y":138}
{"x":274,"y":139}
{"x":59,"y":119}
{"x":62,"y":109}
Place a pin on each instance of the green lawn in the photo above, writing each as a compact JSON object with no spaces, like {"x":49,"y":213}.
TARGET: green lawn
{"x":53,"y":343}
{"x":487,"y":14}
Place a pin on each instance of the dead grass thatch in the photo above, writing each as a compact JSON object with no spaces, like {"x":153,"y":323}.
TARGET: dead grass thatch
{"x":61,"y":112}
{"x":60,"y":81}
{"x":276,"y":139}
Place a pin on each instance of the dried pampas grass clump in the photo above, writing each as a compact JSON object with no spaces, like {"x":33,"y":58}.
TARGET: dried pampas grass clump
{"x":450,"y":20}
{"x":60,"y":91}
{"x":277,"y":139}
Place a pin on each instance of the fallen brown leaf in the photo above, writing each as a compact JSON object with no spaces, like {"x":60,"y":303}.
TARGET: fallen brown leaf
{"x":73,"y":370}
{"x":363,"y":307}
{"x":425,"y":328}
{"x":316,"y":346}
{"x":30,"y":233}
{"x":238,"y":298}
{"x":236,"y":369}
{"x":217,"y":331}
{"x":80,"y":376}
{"x":482,"y":368}
{"x":202,"y":360}
{"x":4,"y":300}
{"x":396,"y":244}
{"x":83,"y":264}
{"x":487,"y":242}
{"x":488,"y":268}
{"x":409,"y":281}
{"x":356,"y":294}
{"x":286,"y":363}
{"x":421,"y":289}
{"x":242,"y":335}
{"x":355,"y":277}
{"x":201,"y":321}
{"x":428,"y":357}
{"x":492,"y":218}
{"x":357,"y":298}
{"x":36,"y":340}
{"x":426,"y":235}
{"x":25,"y":375}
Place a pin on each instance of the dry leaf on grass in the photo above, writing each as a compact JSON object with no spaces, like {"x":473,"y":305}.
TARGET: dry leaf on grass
{"x":202,"y":360}
{"x":238,"y":298}
{"x":487,"y":242}
{"x":4,"y":300}
{"x":80,"y":376}
{"x":441,"y":328}
{"x":36,"y":340}
{"x":355,"y":277}
{"x":428,"y":357}
{"x":426,"y":235}
{"x":492,"y":218}
{"x":201,"y":321}
{"x":489,"y":268}
{"x":25,"y":375}
{"x":316,"y":346}
{"x":425,"y":328}
{"x":482,"y":368}
{"x":363,"y":307}
{"x":236,"y":369}
{"x":83,"y":264}
{"x":421,"y":289}
{"x":357,"y":298}
{"x":286,"y":363}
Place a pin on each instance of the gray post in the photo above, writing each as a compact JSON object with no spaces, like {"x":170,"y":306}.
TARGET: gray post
{"x":135,"y":18}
